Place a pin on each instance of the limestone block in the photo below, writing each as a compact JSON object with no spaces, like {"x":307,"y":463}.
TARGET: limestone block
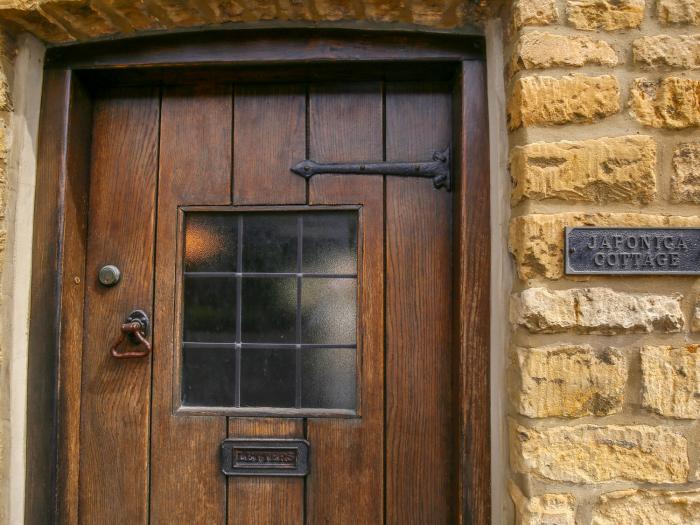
{"x":537,"y":240}
{"x":594,"y":454}
{"x":257,"y":10}
{"x":636,"y":506}
{"x":333,"y":10}
{"x":129,"y":15}
{"x":225,"y":10}
{"x":534,"y":13}
{"x":685,"y":180}
{"x":595,"y":311}
{"x":543,"y":100}
{"x":570,"y":381}
{"x":8,"y":52}
{"x":80,"y":17}
{"x":538,"y":50}
{"x":617,"y":169}
{"x":670,"y":51}
{"x":35,"y":22}
{"x":610,"y":15}
{"x":542,"y":310}
{"x":547,"y":509}
{"x":427,"y":12}
{"x":176,"y":13}
{"x":295,"y":10}
{"x":384,"y":10}
{"x":695,"y":321}
{"x":672,"y":103}
{"x":679,"y":11}
{"x":671,"y":380}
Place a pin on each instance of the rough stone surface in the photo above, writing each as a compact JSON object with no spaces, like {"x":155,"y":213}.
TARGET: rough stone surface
{"x":681,"y":52}
{"x":538,"y":50}
{"x":533,"y":13}
{"x":34,"y":22}
{"x":543,"y":100}
{"x":685,"y":180}
{"x":570,"y":381}
{"x":66,"y":20}
{"x":547,"y":509}
{"x":672,"y":103}
{"x":542,"y":310}
{"x":537,"y":240}
{"x":648,"y":507}
{"x":605,"y":14}
{"x":618,"y":169}
{"x":679,"y":11}
{"x":593,"y":454}
{"x":671,"y":380}
{"x":695,"y":320}
{"x":595,"y":311}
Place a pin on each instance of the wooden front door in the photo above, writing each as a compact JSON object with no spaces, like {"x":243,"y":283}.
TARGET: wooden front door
{"x":279,"y":308}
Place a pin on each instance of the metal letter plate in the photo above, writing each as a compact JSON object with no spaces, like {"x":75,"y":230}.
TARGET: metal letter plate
{"x":632,"y":251}
{"x":265,"y":457}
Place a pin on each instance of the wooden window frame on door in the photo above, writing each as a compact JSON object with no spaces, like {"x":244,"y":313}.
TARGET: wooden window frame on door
{"x":61,"y":211}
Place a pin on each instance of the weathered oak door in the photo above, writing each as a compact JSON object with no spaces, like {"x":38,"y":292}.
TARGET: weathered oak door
{"x":279,"y":307}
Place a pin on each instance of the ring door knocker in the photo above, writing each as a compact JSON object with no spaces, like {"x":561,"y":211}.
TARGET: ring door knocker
{"x":134,"y":332}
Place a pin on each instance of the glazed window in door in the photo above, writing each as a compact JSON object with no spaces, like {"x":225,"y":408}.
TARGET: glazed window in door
{"x":269,"y":310}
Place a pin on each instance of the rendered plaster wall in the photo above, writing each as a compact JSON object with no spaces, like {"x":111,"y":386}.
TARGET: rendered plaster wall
{"x":21,"y":62}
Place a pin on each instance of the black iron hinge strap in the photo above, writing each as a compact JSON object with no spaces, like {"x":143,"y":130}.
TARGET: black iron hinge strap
{"x":437,"y":169}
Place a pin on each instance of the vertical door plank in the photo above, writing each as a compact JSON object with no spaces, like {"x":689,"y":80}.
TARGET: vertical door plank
{"x":45,"y":299}
{"x":472,"y":279}
{"x":269,"y":138}
{"x":346,"y":482}
{"x":195,"y":169}
{"x":419,"y":310}
{"x":116,"y":393}
{"x":265,"y":500}
{"x":75,"y":213}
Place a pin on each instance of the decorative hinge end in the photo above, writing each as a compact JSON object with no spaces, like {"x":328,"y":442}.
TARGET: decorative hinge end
{"x":443,"y":176}
{"x":305,"y":168}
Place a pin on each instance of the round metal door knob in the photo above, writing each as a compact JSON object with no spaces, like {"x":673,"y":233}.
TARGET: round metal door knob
{"x":109,"y":275}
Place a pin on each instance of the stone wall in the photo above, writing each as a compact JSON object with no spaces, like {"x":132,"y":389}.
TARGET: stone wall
{"x":60,"y":21}
{"x":604,"y":378}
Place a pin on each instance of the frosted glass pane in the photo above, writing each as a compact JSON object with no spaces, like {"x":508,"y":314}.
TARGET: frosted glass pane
{"x":328,"y":378}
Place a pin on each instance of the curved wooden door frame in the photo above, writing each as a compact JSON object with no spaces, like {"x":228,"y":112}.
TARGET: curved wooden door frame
{"x":61,"y":210}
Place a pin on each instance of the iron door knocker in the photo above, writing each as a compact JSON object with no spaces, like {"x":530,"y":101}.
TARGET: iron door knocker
{"x":134,"y":330}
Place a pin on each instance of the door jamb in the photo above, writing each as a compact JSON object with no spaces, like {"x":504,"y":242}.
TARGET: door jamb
{"x":60,"y":231}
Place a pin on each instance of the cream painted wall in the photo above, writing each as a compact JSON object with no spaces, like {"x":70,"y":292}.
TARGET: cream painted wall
{"x":501,"y":270}
{"x":16,"y":275}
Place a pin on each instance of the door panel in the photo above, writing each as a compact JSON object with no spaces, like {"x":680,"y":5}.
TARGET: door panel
{"x":345,"y":124}
{"x":269,"y":137}
{"x":232,"y":147}
{"x":195,"y":168}
{"x":265,"y":499}
{"x":419,"y":306}
{"x":116,"y":393}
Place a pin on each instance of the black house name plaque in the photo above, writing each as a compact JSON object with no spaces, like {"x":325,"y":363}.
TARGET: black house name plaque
{"x":265,"y":457}
{"x":671,"y":251}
